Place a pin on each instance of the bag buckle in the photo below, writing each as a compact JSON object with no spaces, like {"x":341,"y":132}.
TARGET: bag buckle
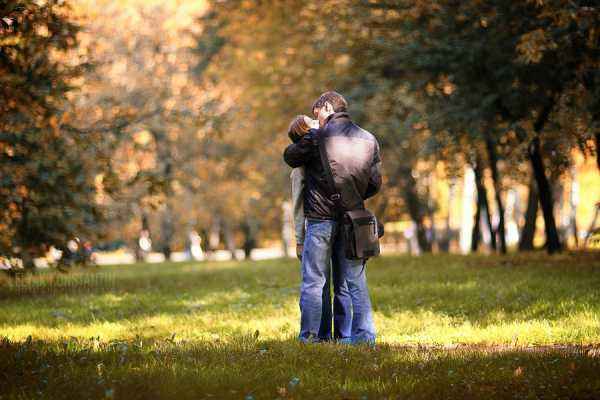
{"x":335,"y":197}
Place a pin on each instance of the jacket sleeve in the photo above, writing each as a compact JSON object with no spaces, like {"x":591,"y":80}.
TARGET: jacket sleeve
{"x":298,"y":184}
{"x":374,"y":184}
{"x":298,"y":154}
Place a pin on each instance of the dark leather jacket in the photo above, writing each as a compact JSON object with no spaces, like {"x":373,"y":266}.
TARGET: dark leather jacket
{"x":354,"y":161}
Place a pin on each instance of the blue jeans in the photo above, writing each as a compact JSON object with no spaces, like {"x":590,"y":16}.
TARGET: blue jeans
{"x":324,"y":249}
{"x":342,"y":308}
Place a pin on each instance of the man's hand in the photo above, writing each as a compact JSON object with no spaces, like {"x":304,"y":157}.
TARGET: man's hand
{"x":299,"y":250}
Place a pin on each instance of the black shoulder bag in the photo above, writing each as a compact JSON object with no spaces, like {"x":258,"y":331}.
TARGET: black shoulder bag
{"x":359,"y":227}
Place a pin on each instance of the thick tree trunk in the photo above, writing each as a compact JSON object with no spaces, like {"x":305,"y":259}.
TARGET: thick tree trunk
{"x":553,"y":244}
{"x":415,"y":207}
{"x":528,"y":230}
{"x":493,"y":158}
{"x":483,"y":200}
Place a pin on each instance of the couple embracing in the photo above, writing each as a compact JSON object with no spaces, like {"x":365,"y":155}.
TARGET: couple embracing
{"x":336,"y":166}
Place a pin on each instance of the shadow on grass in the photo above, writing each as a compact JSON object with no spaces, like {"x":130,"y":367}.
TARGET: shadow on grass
{"x":246,"y":366}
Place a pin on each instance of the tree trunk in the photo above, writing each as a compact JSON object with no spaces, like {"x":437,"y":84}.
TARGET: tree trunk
{"x":558,"y":199}
{"x":528,"y":231}
{"x":493,"y":158}
{"x":429,"y":209}
{"x":27,"y":258}
{"x":483,"y":200}
{"x":543,"y":185}
{"x":415,"y":207}
{"x":597,"y":135}
{"x":229,"y":239}
{"x":140,"y":253}
{"x":26,"y":253}
{"x":166,"y":164}
{"x":553,"y":244}
{"x":167,"y":231}
{"x":214,"y":234}
{"x":445,"y":243}
{"x":432,"y":228}
{"x":591,"y":229}
{"x":573,"y":203}
{"x":249,"y":238}
{"x":476,"y":232}
{"x":468,"y":199}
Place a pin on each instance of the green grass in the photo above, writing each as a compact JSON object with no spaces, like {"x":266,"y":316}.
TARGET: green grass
{"x":522,"y":326}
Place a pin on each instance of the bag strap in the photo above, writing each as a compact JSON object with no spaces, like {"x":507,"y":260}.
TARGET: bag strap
{"x":334,"y":195}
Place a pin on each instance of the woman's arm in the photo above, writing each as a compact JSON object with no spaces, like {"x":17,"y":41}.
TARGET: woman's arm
{"x":298,"y":203}
{"x":298,"y":154}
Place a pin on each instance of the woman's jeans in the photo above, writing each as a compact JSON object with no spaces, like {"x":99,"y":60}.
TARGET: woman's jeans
{"x":353,"y":319}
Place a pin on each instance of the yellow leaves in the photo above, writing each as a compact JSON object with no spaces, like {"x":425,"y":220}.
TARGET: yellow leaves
{"x":54,"y":124}
{"x":170,"y":104}
{"x":22,"y":191}
{"x":532,"y":45}
{"x":446,"y":85}
{"x":448,"y":89}
{"x":342,"y":60}
{"x":8,"y":150}
{"x":9,"y":41}
{"x":430,"y":89}
{"x":42,"y":30}
{"x":142,"y":137}
{"x":177,"y":187}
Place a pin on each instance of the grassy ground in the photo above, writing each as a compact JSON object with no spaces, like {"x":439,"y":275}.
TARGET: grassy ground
{"x":525,"y":326}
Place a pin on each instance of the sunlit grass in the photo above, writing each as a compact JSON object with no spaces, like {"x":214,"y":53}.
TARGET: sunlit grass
{"x":435,"y":300}
{"x":227,"y":330}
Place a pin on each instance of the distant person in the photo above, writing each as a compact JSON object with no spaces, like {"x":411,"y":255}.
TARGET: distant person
{"x":144,"y":245}
{"x":299,"y":127}
{"x":357,"y":177}
{"x":195,"y":246}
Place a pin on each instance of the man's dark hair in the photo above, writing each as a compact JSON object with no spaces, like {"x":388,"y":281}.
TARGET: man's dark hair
{"x":338,"y":101}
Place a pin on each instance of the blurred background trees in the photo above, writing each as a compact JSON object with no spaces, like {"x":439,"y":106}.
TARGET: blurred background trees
{"x":50,"y":159}
{"x":170,"y":118}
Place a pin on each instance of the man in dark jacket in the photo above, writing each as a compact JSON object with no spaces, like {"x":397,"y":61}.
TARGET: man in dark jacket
{"x":355,"y":167}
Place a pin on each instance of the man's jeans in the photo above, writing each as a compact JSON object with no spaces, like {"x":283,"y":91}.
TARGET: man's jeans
{"x":323,"y":248}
